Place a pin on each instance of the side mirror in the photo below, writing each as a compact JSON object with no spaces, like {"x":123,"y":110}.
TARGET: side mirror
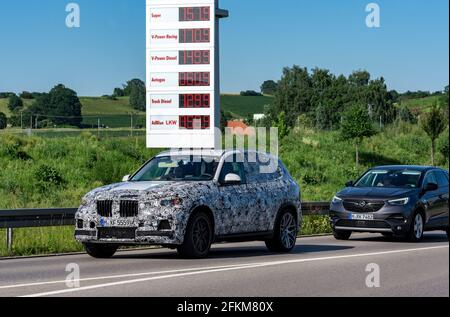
{"x":126,"y":178}
{"x":431,"y":187}
{"x":349,"y":184}
{"x":231,"y":179}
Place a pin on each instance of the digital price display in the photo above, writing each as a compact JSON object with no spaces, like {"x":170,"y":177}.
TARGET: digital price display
{"x":202,"y":57}
{"x":182,"y":71}
{"x":195,"y":36}
{"x":195,"y":100}
{"x":194,"y":79}
{"x":195,"y":122}
{"x":190,"y":14}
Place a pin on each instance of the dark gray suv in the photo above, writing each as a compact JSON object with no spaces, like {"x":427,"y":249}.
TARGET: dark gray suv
{"x":394,"y":201}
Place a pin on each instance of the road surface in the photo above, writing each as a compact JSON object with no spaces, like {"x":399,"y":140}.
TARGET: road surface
{"x":319,"y":266}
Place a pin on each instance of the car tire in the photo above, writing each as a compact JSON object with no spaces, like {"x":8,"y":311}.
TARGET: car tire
{"x":447,"y":232}
{"x":284,"y":234}
{"x":100,"y":251}
{"x":341,"y":234}
{"x":416,"y":230}
{"x":198,"y":238}
{"x":388,"y":235}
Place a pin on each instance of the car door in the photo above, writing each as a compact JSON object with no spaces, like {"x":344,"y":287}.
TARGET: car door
{"x":432,"y":201}
{"x":443,"y":204}
{"x":263,"y":177}
{"x":233,"y":200}
{"x":257,"y":193}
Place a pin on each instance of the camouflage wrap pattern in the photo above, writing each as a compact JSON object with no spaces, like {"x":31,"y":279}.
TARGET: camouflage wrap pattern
{"x":247,"y":208}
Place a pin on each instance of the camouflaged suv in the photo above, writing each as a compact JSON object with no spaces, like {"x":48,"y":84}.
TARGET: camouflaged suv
{"x":189,"y":200}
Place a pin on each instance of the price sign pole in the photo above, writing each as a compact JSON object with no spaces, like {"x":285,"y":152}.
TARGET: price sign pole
{"x":183,"y":73}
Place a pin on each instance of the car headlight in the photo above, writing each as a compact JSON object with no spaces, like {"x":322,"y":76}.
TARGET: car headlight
{"x":336,"y":200}
{"x":399,"y":202}
{"x":171,"y":202}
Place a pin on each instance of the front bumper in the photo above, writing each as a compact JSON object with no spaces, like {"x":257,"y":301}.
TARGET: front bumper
{"x":390,"y":219}
{"x":126,"y":236}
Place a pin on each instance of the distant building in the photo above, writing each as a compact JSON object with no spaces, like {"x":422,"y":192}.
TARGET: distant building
{"x":258,"y":116}
{"x":239,"y":128}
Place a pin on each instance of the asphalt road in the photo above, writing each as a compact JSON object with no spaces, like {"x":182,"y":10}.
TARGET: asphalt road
{"x":319,"y":266}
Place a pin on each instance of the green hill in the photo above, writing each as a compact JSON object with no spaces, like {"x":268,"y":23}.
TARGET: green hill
{"x":116,"y":113}
{"x":242,"y":107}
{"x":4,"y":105}
{"x":420,"y":104}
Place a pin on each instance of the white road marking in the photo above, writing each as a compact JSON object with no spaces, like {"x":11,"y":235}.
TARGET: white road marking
{"x":111,"y":277}
{"x":241,"y":267}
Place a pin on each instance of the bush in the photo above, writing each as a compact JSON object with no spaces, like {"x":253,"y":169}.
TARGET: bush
{"x":250,"y":93}
{"x":3,"y":121}
{"x":12,"y":147}
{"x":14,"y":103}
{"x":26,"y":95}
{"x":443,"y":146}
{"x":47,"y":176}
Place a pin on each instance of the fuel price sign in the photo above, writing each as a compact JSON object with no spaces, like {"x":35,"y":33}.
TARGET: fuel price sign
{"x":182,"y":73}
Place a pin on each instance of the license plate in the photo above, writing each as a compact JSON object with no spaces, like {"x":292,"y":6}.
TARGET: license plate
{"x":117,"y":223}
{"x":361,"y":217}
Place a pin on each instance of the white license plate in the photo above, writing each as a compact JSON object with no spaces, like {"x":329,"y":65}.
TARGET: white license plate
{"x":118,"y":223}
{"x":361,"y":217}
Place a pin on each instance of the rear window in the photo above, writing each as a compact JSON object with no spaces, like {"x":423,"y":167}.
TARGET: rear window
{"x":441,"y":179}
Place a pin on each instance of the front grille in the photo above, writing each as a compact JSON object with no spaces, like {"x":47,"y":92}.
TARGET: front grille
{"x":363,"y":205}
{"x":117,"y":233}
{"x":128,"y":208}
{"x":104,"y":208}
{"x":363,"y":224}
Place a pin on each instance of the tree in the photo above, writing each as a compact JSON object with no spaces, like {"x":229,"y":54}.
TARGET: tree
{"x":359,"y":78}
{"x":405,"y":115}
{"x":269,"y":87}
{"x":118,"y":92}
{"x":60,"y":106}
{"x":356,"y":126}
{"x":283,"y":128}
{"x":250,"y":93}
{"x":293,"y":95}
{"x":137,"y":94}
{"x":3,"y":121}
{"x":433,"y":123}
{"x":26,"y":95}
{"x":14,"y":103}
{"x":380,"y":102}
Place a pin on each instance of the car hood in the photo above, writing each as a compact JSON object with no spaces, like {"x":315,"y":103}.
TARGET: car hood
{"x":149,"y":190}
{"x":375,"y":192}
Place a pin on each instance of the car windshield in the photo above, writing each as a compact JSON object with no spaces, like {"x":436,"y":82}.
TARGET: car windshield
{"x":390,"y":179}
{"x":178,"y":168}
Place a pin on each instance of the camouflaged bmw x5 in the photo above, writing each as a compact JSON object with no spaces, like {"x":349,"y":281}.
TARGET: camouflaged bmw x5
{"x":189,"y":200}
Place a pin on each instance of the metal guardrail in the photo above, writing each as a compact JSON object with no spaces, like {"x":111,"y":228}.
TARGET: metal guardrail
{"x":52,"y":217}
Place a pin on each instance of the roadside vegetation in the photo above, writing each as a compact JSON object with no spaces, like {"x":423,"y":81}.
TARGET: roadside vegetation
{"x":68,"y":167}
{"x":331,"y":129}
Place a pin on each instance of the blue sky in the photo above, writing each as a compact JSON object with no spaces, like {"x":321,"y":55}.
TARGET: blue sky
{"x":410,"y":50}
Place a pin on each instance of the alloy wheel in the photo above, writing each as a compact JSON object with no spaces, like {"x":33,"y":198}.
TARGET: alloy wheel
{"x":201,"y":235}
{"x":418,"y":226}
{"x":288,"y":230}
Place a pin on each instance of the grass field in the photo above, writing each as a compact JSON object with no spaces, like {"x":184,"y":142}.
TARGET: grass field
{"x":420,"y":105}
{"x":98,"y":105}
{"x":92,"y":106}
{"x":117,"y":113}
{"x":242,"y":107}
{"x":4,"y":105}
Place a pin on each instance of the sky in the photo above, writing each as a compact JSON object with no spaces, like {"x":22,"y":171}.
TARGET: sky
{"x":410,"y":49}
